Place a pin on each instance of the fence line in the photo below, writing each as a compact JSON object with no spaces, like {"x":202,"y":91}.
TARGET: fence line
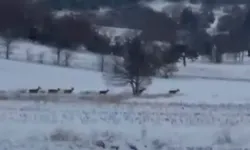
{"x":47,"y":63}
{"x":77,"y":63}
{"x":213,"y":78}
{"x":89,"y":144}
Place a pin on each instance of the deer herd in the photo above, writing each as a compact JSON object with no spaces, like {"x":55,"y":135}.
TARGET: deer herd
{"x":54,"y":91}
{"x":71,"y":90}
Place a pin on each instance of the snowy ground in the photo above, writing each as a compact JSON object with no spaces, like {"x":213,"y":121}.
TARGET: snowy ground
{"x":236,"y":72}
{"x":89,"y":61}
{"x":16,"y":75}
{"x":36,"y":53}
{"x":119,"y":125}
{"x":216,"y":111}
{"x":207,"y":113}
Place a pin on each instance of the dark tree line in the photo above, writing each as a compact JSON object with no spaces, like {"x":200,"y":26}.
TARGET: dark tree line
{"x":34,"y":20}
{"x":190,"y":28}
{"x":141,"y":60}
{"x":87,"y":4}
{"x":186,"y":33}
{"x":95,"y":4}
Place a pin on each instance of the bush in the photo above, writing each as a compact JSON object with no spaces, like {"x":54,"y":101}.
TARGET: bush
{"x":68,"y":56}
{"x":167,"y":70}
{"x":64,"y":135}
{"x":29,"y":55}
{"x":41,"y":58}
{"x":224,"y":138}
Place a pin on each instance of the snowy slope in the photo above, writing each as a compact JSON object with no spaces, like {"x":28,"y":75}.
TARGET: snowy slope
{"x":206,"y":114}
{"x":238,"y":72}
{"x":36,"y":53}
{"x":178,"y":121}
{"x":173,"y":8}
{"x":119,"y":125}
{"x":16,"y":75}
{"x":161,"y":5}
{"x":90,"y":61}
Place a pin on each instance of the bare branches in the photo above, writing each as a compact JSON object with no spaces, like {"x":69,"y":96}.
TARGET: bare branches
{"x":135,"y":68}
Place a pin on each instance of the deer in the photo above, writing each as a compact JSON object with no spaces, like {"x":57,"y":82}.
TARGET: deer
{"x":174,"y":91}
{"x":34,"y":90}
{"x":53,"y":90}
{"x":68,"y":91}
{"x":141,"y":90}
{"x":104,"y":92}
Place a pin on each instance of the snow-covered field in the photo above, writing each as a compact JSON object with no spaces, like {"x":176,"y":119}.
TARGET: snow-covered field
{"x":36,"y":53}
{"x":238,"y":72}
{"x":146,"y":127}
{"x":19,"y":75}
{"x":206,"y":114}
{"x":21,"y":50}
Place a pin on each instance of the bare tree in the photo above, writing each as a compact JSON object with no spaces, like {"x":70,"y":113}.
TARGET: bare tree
{"x":135,"y":69}
{"x":155,"y":26}
{"x":8,"y":39}
{"x":98,"y":43}
{"x":165,"y":57}
{"x":158,"y":26}
{"x":70,"y":32}
{"x":12,"y":16}
{"x":41,"y":57}
{"x":29,"y":55}
{"x":68,"y":56}
{"x":181,"y":52}
{"x":102,"y":61}
{"x":58,"y":51}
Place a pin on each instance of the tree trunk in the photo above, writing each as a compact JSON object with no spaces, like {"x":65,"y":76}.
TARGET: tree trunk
{"x":242,"y":56}
{"x":102,"y":63}
{"x":213,"y":55}
{"x":58,"y":53}
{"x":67,"y":57}
{"x":235,"y":57}
{"x":7,"y":54}
{"x":135,"y":85}
{"x":184,"y":59}
{"x":218,"y":56}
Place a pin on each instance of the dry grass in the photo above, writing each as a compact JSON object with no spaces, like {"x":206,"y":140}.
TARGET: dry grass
{"x":119,"y":99}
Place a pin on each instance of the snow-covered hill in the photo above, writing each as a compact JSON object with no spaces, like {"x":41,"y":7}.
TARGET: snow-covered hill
{"x":173,"y":8}
{"x":204,"y":109}
{"x":206,"y":114}
{"x":26,"y":51}
{"x":16,"y":75}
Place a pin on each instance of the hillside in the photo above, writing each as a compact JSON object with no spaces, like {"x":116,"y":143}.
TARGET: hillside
{"x":26,"y":51}
{"x":74,"y":4}
{"x":55,"y":63}
{"x":20,"y":75}
{"x":202,"y":107}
